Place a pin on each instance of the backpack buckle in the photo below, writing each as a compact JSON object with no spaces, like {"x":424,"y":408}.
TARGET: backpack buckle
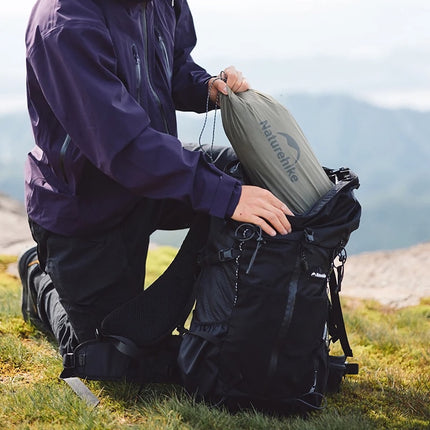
{"x":69,"y":360}
{"x":351,"y":368}
{"x":226,"y":255}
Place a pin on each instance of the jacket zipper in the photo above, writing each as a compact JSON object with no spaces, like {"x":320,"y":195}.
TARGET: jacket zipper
{"x":63,"y":151}
{"x":146,"y":66}
{"x":138,"y":71}
{"x":164,"y":54}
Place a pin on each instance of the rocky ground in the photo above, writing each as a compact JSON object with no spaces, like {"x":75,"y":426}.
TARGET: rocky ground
{"x":14,"y":231}
{"x":394,"y":278}
{"x":397,"y":278}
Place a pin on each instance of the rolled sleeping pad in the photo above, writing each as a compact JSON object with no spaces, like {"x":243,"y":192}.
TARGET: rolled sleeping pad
{"x":272,"y":149}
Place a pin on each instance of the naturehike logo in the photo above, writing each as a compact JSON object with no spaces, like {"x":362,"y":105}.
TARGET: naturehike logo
{"x":318,"y":275}
{"x":288,"y":163}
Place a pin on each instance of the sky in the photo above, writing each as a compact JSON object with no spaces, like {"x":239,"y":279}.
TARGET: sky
{"x":312,"y":27}
{"x":377,"y":50}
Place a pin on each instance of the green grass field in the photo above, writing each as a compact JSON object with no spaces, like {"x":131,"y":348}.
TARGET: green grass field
{"x":392,"y":390}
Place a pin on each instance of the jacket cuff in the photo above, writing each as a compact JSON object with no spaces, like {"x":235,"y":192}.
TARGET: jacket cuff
{"x":234,"y":200}
{"x":225,"y":197}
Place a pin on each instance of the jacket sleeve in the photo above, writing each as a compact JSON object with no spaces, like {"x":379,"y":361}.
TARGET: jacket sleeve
{"x":190,"y":81}
{"x":76,"y":69}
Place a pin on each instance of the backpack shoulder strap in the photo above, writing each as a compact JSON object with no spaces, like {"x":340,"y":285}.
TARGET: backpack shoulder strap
{"x":153,"y":314}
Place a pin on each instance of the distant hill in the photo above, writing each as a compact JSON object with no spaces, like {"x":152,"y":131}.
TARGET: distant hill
{"x":16,"y":140}
{"x":389,"y":150}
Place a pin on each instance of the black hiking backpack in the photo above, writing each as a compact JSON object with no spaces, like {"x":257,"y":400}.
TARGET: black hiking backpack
{"x":268,"y":308}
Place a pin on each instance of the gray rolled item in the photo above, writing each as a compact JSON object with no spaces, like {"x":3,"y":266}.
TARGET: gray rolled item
{"x":272,"y":149}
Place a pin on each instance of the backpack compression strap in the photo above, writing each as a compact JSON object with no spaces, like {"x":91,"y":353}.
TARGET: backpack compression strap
{"x":336,"y":322}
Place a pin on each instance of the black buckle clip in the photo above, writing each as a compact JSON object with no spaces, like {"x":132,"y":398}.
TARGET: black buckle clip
{"x":226,"y":255}
{"x":69,"y":360}
{"x":351,"y":368}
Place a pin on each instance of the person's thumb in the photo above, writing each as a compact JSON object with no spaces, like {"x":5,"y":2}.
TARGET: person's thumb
{"x":220,"y":86}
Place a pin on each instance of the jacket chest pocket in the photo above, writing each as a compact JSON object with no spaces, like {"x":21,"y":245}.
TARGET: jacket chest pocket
{"x":164,"y":54}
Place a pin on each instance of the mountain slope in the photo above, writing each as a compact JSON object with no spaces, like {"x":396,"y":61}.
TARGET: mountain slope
{"x":389,"y":150}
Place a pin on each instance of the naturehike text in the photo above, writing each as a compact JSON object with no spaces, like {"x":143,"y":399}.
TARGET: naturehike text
{"x":287,"y":164}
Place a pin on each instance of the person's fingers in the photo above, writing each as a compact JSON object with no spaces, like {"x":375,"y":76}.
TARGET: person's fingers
{"x":244,"y":86}
{"x":278,"y":204}
{"x":277,"y":219}
{"x":229,"y":78}
{"x":235,"y":80}
{"x":277,"y":211}
{"x":219,"y":85}
{"x":267,"y":228}
{"x":261,"y":207}
{"x":270,"y":224}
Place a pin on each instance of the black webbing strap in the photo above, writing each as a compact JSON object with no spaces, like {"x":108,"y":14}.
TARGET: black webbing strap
{"x":337,"y":324}
{"x":286,"y":321}
{"x":124,"y":346}
{"x":206,"y":336}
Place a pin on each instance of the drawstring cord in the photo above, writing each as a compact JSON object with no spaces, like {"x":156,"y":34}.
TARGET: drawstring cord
{"x":246,"y":232}
{"x":208,"y":154}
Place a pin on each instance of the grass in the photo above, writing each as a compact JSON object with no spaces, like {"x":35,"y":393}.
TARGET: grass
{"x":392,"y":390}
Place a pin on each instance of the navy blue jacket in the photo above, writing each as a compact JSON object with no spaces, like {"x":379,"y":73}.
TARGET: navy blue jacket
{"x":104,"y":78}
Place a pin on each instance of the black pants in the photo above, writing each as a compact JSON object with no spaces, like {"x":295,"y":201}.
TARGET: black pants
{"x":94,"y":275}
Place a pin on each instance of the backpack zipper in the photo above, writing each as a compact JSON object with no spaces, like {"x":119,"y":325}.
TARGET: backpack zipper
{"x":145,"y":34}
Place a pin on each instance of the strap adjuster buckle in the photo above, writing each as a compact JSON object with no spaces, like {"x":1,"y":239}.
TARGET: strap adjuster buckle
{"x":226,"y":255}
{"x":69,"y":360}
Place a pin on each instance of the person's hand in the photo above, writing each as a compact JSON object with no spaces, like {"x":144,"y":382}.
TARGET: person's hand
{"x":259,"y":206}
{"x":234,"y":80}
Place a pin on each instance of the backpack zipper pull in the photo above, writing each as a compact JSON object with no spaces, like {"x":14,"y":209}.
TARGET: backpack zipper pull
{"x":260,"y":242}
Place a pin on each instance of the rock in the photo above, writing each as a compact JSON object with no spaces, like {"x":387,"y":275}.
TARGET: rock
{"x":15,"y":233}
{"x":395,"y":278}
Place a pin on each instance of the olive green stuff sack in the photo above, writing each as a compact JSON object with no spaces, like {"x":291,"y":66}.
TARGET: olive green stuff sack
{"x":273,"y":149}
